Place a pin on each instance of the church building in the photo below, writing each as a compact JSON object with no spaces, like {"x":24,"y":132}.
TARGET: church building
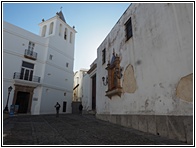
{"x":38,"y":69}
{"x":144,"y":71}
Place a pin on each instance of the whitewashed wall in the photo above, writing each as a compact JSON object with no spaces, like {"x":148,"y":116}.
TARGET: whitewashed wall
{"x":15,"y":41}
{"x":87,"y":87}
{"x":87,"y":93}
{"x":160,"y":52}
{"x":79,"y":79}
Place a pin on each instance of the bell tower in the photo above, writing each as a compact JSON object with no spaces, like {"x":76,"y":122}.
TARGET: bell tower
{"x":57,"y":26}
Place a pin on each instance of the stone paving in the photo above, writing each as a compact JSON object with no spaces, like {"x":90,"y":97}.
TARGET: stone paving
{"x":73,"y":129}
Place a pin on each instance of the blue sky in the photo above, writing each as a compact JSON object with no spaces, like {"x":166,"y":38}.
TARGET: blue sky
{"x":92,"y":21}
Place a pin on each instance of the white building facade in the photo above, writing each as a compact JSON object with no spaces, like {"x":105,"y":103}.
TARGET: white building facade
{"x":144,"y":75}
{"x":78,"y":85}
{"x":89,"y":89}
{"x":39,"y":68}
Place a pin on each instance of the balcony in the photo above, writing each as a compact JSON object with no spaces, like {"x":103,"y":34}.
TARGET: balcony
{"x":30,"y":54}
{"x":26,"y":77}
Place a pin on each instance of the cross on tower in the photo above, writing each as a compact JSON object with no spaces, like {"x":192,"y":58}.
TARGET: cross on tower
{"x":61,"y":8}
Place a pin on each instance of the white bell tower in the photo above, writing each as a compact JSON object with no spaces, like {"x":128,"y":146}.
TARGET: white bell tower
{"x":57,"y":26}
{"x":58,"y":58}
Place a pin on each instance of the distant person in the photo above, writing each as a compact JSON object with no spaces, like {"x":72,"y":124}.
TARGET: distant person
{"x":80,"y":108}
{"x":57,"y":106}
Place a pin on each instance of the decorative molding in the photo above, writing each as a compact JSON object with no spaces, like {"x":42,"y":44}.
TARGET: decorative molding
{"x":114,"y":76}
{"x":116,"y":91}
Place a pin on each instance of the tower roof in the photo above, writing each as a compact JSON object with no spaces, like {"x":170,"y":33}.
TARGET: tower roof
{"x":60,"y":14}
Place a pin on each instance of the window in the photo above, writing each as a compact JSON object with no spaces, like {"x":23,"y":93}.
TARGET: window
{"x":128,"y":29}
{"x":65,"y":34}
{"x":67,"y":64}
{"x":103,"y":56}
{"x":50,"y":57}
{"x":26,"y":71}
{"x":31,"y":46}
{"x":29,"y":53}
{"x":51,"y":28}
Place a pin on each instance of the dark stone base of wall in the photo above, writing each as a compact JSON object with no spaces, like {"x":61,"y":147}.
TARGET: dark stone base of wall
{"x":173,"y":127}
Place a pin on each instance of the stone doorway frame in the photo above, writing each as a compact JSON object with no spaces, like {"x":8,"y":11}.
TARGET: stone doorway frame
{"x":23,"y":88}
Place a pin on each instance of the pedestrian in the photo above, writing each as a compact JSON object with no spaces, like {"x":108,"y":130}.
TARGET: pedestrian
{"x":57,"y":109}
{"x":80,"y":108}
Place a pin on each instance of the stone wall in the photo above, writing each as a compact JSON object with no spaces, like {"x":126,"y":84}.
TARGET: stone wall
{"x":172,"y":127}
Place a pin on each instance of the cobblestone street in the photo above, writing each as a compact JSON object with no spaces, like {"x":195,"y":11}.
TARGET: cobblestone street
{"x":72,"y":129}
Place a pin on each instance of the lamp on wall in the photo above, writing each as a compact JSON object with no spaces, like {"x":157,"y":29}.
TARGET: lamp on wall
{"x":105,"y":80}
{"x":6,"y":107}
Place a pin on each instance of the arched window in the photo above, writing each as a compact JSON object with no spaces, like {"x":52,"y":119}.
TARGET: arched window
{"x":60,"y":29}
{"x":71,"y":34}
{"x":65,"y":34}
{"x":51,"y":28}
{"x":44,"y":31}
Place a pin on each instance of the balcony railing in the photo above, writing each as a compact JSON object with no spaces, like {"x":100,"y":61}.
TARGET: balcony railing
{"x":26,"y":77}
{"x":30,"y":54}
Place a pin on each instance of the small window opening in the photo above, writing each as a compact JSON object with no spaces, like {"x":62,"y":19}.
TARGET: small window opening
{"x":50,"y":57}
{"x":103,"y":56}
{"x":65,"y":34}
{"x":67,"y":64}
{"x":128,"y":29}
